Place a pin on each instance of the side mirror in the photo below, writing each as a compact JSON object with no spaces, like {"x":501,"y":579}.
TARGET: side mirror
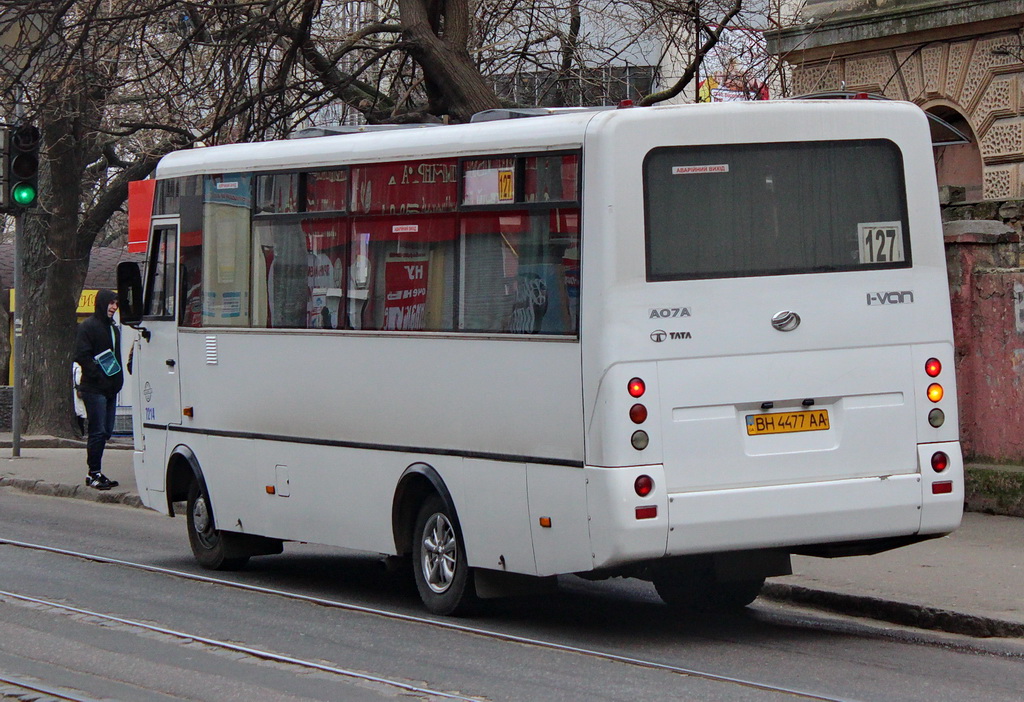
{"x":129,"y":292}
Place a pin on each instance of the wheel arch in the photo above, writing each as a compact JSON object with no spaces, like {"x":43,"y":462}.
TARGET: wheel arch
{"x":417,"y":482}
{"x":182,"y":469}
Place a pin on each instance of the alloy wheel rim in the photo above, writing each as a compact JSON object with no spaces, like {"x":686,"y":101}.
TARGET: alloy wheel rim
{"x":439,"y":553}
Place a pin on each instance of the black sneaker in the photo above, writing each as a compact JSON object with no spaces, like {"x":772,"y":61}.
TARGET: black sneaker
{"x":100,"y":481}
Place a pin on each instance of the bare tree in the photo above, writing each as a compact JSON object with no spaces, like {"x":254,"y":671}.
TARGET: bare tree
{"x":115,"y":84}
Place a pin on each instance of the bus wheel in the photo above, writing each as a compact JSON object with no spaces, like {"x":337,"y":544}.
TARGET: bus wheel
{"x":439,"y":561}
{"x":700,"y":591}
{"x":208,"y":543}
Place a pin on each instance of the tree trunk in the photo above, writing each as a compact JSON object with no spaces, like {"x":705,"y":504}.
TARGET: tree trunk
{"x":437,"y":38}
{"x":56,"y":260}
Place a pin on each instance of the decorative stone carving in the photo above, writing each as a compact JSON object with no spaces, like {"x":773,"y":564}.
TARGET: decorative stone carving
{"x":959,"y":57}
{"x":817,"y":79}
{"x":933,"y":58}
{"x":869,"y":73}
{"x":1004,"y":141}
{"x":909,"y":62}
{"x":980,"y":69}
{"x":999,"y":182}
{"x":1000,"y":100}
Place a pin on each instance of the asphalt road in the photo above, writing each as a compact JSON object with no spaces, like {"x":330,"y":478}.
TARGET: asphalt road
{"x":340,"y":627}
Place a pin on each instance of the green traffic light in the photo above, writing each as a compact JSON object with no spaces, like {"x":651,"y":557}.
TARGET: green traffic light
{"x":23,"y":194}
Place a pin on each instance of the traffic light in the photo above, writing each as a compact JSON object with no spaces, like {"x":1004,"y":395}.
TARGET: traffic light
{"x":22,"y":167}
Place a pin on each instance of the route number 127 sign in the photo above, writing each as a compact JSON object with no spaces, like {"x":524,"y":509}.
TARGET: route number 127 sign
{"x":881,"y":242}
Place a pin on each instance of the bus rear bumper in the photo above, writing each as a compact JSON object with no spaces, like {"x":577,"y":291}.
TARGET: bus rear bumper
{"x":883,"y":509}
{"x":781,"y":516}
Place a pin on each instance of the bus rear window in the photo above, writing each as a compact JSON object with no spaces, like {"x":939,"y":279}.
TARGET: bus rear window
{"x":726,"y":211}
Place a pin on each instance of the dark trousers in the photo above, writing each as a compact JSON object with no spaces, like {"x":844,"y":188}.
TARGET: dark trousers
{"x":101,"y":411}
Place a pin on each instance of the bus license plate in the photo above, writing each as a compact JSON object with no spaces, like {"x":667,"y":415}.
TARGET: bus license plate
{"x":787,"y":422}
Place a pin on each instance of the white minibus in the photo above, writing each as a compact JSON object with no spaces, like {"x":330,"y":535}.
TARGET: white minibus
{"x":679,"y":343}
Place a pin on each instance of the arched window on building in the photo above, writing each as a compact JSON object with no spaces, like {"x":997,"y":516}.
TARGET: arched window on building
{"x":957,"y":164}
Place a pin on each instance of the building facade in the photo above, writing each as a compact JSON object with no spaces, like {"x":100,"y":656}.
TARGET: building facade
{"x":961,"y":60}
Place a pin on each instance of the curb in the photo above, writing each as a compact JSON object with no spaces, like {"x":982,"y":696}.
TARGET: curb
{"x":81,"y":492}
{"x":49,"y":442}
{"x":901,"y":613}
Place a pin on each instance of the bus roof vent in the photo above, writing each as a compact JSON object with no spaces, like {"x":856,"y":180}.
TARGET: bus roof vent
{"x":520,"y":112}
{"x":334,"y":129}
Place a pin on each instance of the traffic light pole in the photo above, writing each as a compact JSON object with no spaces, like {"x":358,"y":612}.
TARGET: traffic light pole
{"x":19,"y":302}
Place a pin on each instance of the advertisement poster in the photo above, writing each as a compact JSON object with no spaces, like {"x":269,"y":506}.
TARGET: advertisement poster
{"x":412,"y":187}
{"x":405,"y":302}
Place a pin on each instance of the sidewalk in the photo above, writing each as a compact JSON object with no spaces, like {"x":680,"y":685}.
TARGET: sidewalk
{"x":971,"y":582}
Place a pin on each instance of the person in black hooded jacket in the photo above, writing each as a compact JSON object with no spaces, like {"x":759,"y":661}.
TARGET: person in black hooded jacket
{"x":102,"y":378}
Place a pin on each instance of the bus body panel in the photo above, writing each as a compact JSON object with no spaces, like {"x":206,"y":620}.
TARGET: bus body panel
{"x":339,"y":488}
{"x":559,"y":494}
{"x":342,"y":497}
{"x":362,"y":378}
{"x":617,"y":536}
{"x":706,"y":445}
{"x":942,"y":509}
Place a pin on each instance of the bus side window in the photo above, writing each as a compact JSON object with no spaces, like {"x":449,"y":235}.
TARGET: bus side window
{"x":402,"y":272}
{"x":521,"y":271}
{"x":163,"y":261}
{"x":298,"y":271}
{"x":227,"y":237}
{"x":191,"y":269}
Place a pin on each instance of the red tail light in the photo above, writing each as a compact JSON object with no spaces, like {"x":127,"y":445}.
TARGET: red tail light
{"x":638,"y":413}
{"x":940,"y":461}
{"x":643,"y":485}
{"x":933,"y":367}
{"x":647,"y":512}
{"x":943,"y":488}
{"x":637,"y":387}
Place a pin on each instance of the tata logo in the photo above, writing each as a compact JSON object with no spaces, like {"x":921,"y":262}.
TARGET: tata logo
{"x":661,"y":335}
{"x":895,"y":297}
{"x":668,"y":312}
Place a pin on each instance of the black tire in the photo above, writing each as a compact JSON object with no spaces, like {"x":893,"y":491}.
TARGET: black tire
{"x":443,"y":578}
{"x":209,"y":544}
{"x":698,"y":590}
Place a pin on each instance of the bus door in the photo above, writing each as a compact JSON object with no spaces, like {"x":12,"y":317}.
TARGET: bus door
{"x":156,"y":363}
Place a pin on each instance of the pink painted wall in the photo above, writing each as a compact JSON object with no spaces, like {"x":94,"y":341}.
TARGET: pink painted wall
{"x":987,"y":296}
